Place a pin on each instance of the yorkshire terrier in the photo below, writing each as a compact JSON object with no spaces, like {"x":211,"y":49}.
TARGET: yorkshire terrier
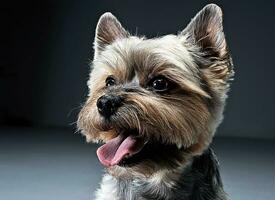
{"x":154,"y":105}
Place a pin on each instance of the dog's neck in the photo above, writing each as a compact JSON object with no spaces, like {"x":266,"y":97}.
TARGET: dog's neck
{"x":199,"y":180}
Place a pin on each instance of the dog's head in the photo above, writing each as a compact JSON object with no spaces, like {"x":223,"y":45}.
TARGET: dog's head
{"x":156,"y":102}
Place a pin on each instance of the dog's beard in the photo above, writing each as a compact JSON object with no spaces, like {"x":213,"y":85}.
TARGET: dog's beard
{"x":148,"y":131}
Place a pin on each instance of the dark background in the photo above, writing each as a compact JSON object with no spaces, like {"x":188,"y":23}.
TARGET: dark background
{"x":43,"y":81}
{"x":45,"y":50}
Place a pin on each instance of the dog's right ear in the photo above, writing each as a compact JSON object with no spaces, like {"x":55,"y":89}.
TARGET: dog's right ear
{"x":107,"y":31}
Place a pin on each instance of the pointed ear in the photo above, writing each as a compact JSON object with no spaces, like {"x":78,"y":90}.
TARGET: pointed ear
{"x":107,"y":31}
{"x":206,"y":31}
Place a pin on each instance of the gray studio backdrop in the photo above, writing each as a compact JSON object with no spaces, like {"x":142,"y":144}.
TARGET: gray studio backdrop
{"x":54,"y":69}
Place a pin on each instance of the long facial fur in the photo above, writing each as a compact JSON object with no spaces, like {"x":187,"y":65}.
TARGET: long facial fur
{"x":196,"y":61}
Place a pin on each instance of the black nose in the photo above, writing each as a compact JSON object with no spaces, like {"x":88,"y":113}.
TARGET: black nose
{"x":108,"y":104}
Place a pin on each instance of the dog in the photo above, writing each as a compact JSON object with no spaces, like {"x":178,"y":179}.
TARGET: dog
{"x":154,"y":106}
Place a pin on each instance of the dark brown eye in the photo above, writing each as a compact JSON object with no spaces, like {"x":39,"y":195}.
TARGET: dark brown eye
{"x":110,"y":81}
{"x":159,"y":84}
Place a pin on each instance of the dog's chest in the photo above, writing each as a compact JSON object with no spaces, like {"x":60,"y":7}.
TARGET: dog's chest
{"x":108,"y":189}
{"x":200,"y":180}
{"x":114,"y":189}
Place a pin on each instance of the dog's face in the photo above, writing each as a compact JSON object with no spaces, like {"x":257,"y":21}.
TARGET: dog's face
{"x":155,"y":103}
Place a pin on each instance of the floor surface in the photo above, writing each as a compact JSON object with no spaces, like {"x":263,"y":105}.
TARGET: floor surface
{"x":58,"y":165}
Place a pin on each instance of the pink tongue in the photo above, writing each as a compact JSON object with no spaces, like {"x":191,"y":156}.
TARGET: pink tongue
{"x":116,"y":149}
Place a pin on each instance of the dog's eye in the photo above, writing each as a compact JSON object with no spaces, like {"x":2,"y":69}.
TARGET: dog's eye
{"x":159,"y":84}
{"x":110,"y":81}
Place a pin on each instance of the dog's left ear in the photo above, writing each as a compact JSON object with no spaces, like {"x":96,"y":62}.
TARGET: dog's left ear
{"x":205,"y":31}
{"x":108,"y":30}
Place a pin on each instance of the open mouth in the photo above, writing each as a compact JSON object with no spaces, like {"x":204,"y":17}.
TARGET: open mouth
{"x":128,"y":150}
{"x":119,"y":149}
